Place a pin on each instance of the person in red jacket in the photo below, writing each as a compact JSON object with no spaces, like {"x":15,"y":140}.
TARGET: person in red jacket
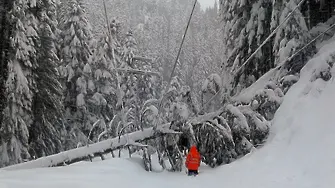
{"x":193,"y":160}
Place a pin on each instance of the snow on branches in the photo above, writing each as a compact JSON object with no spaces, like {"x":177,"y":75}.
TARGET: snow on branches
{"x":235,"y":130}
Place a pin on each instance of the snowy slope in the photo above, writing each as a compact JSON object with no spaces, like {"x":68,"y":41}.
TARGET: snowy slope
{"x":299,"y":153}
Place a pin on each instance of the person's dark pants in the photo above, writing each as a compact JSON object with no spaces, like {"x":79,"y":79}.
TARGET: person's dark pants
{"x":193,"y":172}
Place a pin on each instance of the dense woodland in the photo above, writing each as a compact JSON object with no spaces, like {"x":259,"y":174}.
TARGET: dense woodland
{"x":76,"y":72}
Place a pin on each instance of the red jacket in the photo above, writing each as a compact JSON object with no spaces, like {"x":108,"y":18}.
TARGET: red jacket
{"x":193,"y":159}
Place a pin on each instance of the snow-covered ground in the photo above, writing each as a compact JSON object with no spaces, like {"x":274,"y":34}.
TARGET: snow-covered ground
{"x":299,"y":153}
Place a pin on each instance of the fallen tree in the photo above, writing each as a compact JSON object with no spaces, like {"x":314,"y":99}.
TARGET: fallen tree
{"x":137,"y":71}
{"x":221,"y":136}
{"x":94,"y":150}
{"x":143,"y":59}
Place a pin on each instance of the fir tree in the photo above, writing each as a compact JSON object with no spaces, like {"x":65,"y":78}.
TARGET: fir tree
{"x":44,"y":136}
{"x":292,"y":36}
{"x":75,"y":55}
{"x":246,"y":25}
{"x":5,"y":33}
{"x":20,"y":85}
{"x":108,"y":97}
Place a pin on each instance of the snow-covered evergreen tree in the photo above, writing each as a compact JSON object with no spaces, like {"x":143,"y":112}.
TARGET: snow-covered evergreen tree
{"x":178,"y":105}
{"x":215,"y":141}
{"x":233,"y":131}
{"x":138,"y":90}
{"x":246,"y":24}
{"x":5,"y":33}
{"x":106,"y":100}
{"x":75,"y":56}
{"x":44,"y":134}
{"x":292,"y":36}
{"x":125,"y":93}
{"x":20,"y":85}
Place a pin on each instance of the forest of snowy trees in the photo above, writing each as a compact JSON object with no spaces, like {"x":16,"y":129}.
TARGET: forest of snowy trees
{"x":77,"y":72}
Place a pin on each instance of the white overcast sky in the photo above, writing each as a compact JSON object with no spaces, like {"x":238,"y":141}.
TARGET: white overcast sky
{"x":206,"y":3}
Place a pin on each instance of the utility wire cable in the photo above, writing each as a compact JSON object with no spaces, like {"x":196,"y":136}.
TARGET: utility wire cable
{"x":304,"y":47}
{"x":176,"y":62}
{"x":278,"y":67}
{"x":268,"y":38}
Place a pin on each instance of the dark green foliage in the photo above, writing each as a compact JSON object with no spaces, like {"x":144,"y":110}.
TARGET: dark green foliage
{"x":236,"y":130}
{"x":267,"y":101}
{"x":75,"y":70}
{"x":259,"y":126}
{"x":5,"y":32}
{"x":20,"y":84}
{"x":47,"y":107}
{"x":246,"y":26}
{"x":215,"y":142}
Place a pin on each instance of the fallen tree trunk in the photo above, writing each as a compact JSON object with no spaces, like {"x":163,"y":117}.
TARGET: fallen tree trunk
{"x":94,"y":150}
{"x":144,"y":59}
{"x":137,"y":71}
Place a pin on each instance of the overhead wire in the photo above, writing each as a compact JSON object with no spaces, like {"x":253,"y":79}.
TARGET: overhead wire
{"x":279,"y":66}
{"x":268,"y":38}
{"x":176,"y":62}
{"x":288,"y":59}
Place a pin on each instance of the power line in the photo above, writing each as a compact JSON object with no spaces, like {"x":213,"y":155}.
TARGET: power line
{"x":303,"y":48}
{"x":175,"y":63}
{"x":268,"y":38}
{"x":280,"y":65}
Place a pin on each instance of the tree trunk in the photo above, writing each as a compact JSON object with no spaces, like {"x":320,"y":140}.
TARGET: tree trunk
{"x":94,"y":150}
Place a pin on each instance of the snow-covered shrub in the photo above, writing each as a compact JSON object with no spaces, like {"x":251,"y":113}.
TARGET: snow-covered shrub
{"x":232,"y":132}
{"x":148,"y":113}
{"x":210,"y":88}
{"x":178,"y":112}
{"x":243,"y":146}
{"x":236,"y":120}
{"x":324,"y":71}
{"x":287,"y":81}
{"x":220,"y":142}
{"x":268,"y":101}
{"x":259,"y":126}
{"x":215,"y":141}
